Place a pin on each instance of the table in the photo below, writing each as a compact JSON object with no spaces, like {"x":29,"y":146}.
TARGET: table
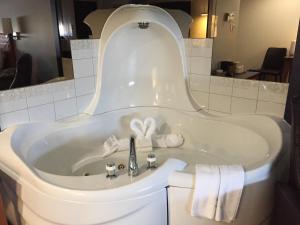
{"x":247,"y":75}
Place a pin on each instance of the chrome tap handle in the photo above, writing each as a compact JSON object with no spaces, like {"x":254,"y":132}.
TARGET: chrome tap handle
{"x":133,"y":169}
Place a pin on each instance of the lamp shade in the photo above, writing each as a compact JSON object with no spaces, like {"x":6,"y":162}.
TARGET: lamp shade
{"x":6,"y":26}
{"x":199,"y":27}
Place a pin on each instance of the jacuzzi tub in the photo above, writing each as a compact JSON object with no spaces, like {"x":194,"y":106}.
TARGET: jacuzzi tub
{"x":141,"y":73}
{"x":39,"y":158}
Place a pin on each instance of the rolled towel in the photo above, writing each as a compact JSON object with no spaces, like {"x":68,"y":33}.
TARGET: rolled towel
{"x":167,"y":140}
{"x":111,"y":145}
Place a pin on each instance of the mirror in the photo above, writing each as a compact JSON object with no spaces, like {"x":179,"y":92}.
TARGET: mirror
{"x":35,"y":34}
{"x":30,"y":51}
{"x":255,"y":39}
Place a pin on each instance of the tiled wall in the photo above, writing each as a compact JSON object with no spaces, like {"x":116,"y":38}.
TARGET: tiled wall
{"x":228,"y":95}
{"x":64,"y":99}
{"x":54,"y":101}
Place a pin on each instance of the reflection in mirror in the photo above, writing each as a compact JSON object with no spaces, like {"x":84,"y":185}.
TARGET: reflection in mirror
{"x":89,"y":19}
{"x":255,"y":39}
{"x":28,"y":52}
{"x":35,"y":34}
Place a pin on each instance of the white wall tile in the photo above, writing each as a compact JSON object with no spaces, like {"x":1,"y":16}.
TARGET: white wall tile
{"x":220,"y":103}
{"x":188,"y":64}
{"x":202,"y":52}
{"x":42,"y":113}
{"x":273,"y":92}
{"x":200,"y":65}
{"x":243,"y":105}
{"x":188,"y":49}
{"x":63,"y":90}
{"x":270,"y":108}
{"x":96,"y":47}
{"x":83,"y":102}
{"x":221,"y":85}
{"x":245,"y":88}
{"x":12,"y":105}
{"x":65,"y":108}
{"x":202,"y":43}
{"x":82,"y":44}
{"x":199,"y":83}
{"x":201,"y":47}
{"x":12,"y":100}
{"x":83,"y":67}
{"x":39,"y":95}
{"x":82,"y":54}
{"x":95,"y":66}
{"x":201,"y":98}
{"x":16,"y":117}
{"x":2,"y":124}
{"x":85,"y":86}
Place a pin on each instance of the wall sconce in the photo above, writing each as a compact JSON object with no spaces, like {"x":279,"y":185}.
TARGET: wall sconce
{"x":6,"y":28}
{"x":230,"y":18}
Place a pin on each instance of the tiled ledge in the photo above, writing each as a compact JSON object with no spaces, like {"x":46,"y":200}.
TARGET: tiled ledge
{"x":236,"y":96}
{"x":54,"y":101}
{"x":222,"y":96}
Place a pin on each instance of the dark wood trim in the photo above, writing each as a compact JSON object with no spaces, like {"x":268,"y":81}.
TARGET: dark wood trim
{"x":3,"y":220}
{"x":294,"y":87}
{"x":55,"y":4}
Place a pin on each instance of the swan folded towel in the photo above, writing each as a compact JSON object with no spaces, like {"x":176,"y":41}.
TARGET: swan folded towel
{"x":144,"y":131}
{"x":218,"y":191}
{"x":206,"y":191}
{"x":230,"y":192}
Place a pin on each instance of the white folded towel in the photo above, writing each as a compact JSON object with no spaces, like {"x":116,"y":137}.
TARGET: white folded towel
{"x":218,"y":191}
{"x":206,"y":191}
{"x":112,"y":144}
{"x":167,"y":141}
{"x":143,"y":131}
{"x":230,"y":192}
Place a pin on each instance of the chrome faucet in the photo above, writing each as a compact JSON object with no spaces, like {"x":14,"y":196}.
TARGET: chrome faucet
{"x":133,"y":169}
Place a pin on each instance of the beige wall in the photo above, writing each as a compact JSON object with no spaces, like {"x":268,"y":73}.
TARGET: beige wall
{"x":36,"y":25}
{"x":263,"y":24}
{"x":225,"y":44}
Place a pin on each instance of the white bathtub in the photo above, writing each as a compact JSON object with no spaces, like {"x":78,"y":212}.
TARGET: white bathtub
{"x":141,"y":73}
{"x":48,"y":193}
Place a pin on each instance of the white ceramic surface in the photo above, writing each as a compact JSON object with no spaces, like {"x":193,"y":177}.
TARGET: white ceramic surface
{"x":40,"y":156}
{"x":141,"y":67}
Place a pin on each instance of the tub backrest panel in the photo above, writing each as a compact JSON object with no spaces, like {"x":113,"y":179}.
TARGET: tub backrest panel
{"x":141,"y":66}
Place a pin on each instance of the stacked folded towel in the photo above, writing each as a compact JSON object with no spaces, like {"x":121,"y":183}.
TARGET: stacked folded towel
{"x":218,"y":191}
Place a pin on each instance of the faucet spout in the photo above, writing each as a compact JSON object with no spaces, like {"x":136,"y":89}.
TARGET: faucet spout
{"x":133,"y":169}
